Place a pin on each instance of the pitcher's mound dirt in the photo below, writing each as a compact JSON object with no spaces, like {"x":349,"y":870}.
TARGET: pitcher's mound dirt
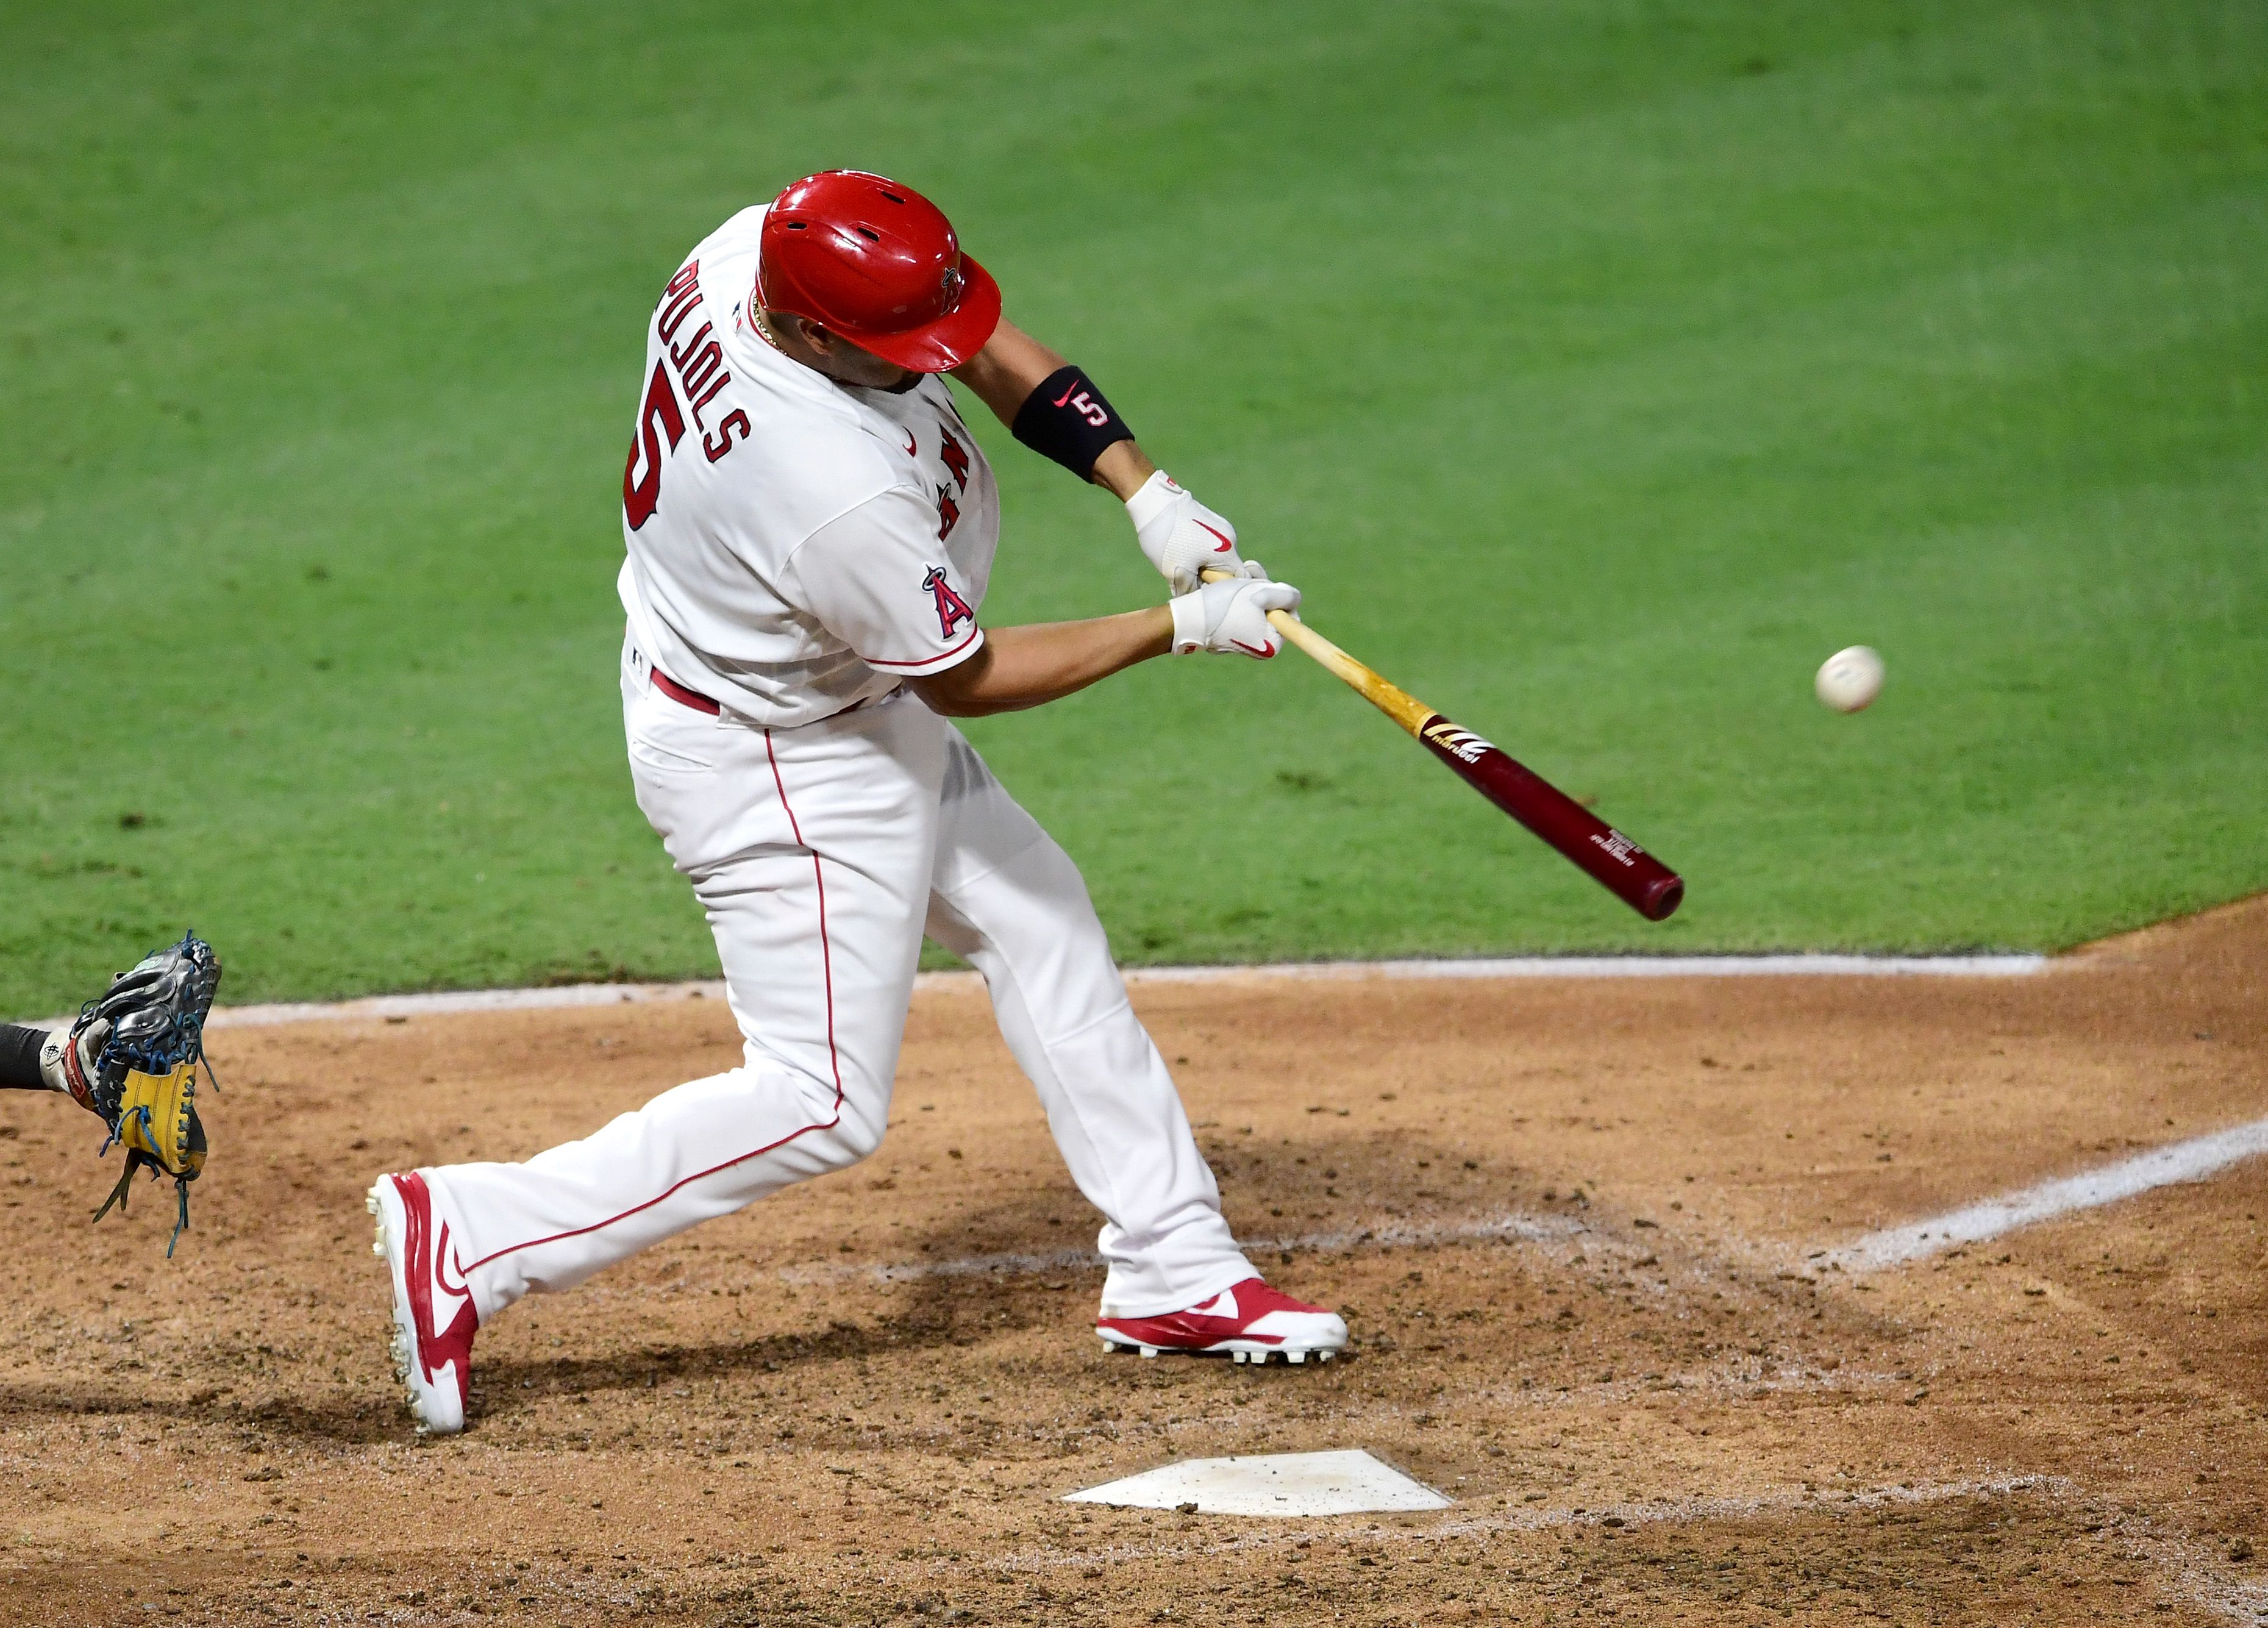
{"x":1572,"y":1225}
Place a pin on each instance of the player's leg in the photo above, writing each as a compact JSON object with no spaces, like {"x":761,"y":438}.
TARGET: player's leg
{"x":1007,"y":898}
{"x":810,"y":851}
{"x":804,"y":848}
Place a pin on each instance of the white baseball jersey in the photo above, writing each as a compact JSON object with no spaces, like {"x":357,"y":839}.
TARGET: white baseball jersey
{"x":796,"y":546}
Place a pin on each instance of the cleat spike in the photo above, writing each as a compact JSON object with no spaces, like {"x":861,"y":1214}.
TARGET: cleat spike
{"x":1295,"y":1356}
{"x":1149,"y":1351}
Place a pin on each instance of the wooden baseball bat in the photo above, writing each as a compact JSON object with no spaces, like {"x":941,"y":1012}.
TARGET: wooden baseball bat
{"x":1612,"y":860}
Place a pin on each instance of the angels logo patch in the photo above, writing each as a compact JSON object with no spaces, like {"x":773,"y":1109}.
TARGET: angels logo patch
{"x":952,"y":610}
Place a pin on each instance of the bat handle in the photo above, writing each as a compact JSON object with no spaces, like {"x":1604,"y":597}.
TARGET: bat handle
{"x":1389,"y":698}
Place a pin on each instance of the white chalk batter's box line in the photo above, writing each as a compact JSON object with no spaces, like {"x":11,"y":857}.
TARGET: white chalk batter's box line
{"x":452,"y":1002}
{"x":2177,"y":1162}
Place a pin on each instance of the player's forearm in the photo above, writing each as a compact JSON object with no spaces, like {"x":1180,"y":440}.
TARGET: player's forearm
{"x":20,"y":1058}
{"x":1009,"y":367}
{"x":1027,"y":666}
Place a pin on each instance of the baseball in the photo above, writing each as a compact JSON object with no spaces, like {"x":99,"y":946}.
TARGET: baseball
{"x":1850,"y":679}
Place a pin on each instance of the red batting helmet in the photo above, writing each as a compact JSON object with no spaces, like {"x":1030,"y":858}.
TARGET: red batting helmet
{"x":878,"y":264}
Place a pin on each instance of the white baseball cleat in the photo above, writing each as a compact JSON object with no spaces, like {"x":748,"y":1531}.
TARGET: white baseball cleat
{"x":1247,"y":1322}
{"x":434,"y":1363}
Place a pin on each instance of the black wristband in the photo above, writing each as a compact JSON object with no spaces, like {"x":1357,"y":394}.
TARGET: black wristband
{"x":19,"y":1057}
{"x":1068,"y":420}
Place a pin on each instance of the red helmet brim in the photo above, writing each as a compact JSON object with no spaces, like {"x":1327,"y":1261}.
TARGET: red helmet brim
{"x":935,"y":347}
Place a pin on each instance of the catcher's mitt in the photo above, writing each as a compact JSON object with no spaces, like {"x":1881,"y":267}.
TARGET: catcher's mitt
{"x":132,"y":1059}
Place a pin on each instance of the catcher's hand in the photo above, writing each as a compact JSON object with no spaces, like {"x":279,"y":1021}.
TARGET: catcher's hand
{"x":131,"y":1060}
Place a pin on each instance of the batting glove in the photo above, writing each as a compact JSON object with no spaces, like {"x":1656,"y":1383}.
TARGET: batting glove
{"x":1182,"y":537}
{"x":1232,"y":614}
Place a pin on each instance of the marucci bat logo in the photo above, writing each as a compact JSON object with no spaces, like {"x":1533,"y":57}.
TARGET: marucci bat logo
{"x":1461,"y":744}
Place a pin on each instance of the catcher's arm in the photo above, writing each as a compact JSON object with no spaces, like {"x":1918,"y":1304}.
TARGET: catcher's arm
{"x":21,"y":1046}
{"x":32,"y":1059}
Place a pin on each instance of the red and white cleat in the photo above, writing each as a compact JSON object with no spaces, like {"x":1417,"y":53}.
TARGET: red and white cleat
{"x":1250,"y":1322}
{"x":432,"y":1358}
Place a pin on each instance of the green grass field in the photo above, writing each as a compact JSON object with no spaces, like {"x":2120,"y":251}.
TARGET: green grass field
{"x":1597,"y":367}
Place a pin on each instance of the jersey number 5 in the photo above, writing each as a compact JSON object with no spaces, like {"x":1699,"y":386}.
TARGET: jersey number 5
{"x":642,"y":494}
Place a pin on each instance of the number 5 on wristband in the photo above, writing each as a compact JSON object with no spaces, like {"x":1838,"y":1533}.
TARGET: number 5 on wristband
{"x":1067,"y":419}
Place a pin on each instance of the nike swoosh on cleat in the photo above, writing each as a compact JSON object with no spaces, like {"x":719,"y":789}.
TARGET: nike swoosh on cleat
{"x":442,"y":1257}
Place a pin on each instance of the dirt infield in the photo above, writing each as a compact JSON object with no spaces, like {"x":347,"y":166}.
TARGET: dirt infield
{"x":1574,"y":1226}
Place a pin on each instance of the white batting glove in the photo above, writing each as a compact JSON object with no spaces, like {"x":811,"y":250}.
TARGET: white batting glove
{"x":1182,"y":537}
{"x":1231,"y":616}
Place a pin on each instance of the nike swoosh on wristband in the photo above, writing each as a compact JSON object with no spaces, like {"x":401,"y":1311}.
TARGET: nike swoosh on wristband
{"x":1228,"y":544}
{"x":1248,"y":650}
{"x":1066,"y":395}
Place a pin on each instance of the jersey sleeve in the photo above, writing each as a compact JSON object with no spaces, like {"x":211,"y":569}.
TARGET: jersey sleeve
{"x":877,"y":577}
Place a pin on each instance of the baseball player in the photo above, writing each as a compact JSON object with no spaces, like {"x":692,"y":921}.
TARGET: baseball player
{"x":811,"y":528}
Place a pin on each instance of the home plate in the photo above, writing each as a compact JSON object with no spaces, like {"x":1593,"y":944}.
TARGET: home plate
{"x":1272,"y":1483}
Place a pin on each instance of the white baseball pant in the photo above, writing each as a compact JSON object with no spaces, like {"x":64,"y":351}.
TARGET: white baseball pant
{"x":821,"y":854}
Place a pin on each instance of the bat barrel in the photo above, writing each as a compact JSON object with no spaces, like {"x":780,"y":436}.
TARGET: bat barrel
{"x":1611,"y":858}
{"x":1607,"y":856}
